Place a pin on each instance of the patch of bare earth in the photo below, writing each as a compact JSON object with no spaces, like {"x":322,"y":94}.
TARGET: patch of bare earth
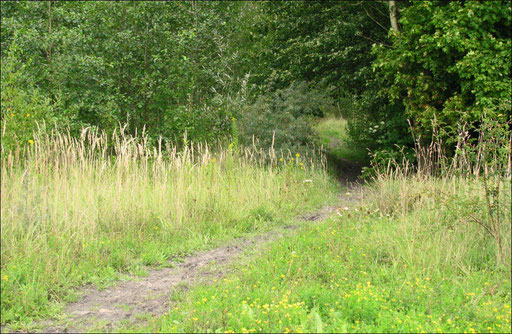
{"x":129,"y":300}
{"x":103,"y":309}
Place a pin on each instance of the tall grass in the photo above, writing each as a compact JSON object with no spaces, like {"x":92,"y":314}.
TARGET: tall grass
{"x":427,"y":250}
{"x":81,"y":210}
{"x":468,"y":192}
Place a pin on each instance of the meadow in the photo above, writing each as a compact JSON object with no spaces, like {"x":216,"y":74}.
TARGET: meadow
{"x":273,"y":166}
{"x":420,"y":252}
{"x":411,"y":256}
{"x":95,"y":208}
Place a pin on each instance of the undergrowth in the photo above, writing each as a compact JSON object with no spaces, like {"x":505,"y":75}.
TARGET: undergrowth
{"x":427,"y":249}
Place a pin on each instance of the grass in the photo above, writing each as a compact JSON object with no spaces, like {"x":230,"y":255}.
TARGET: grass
{"x":333,"y":135}
{"x":88,"y":210}
{"x":419,"y":253}
{"x":408,"y":258}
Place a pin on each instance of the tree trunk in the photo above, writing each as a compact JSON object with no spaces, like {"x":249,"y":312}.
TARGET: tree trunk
{"x":393,"y":15}
{"x":49,"y":51}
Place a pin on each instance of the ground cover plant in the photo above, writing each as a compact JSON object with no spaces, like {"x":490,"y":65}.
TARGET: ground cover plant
{"x":406,"y":259}
{"x":425,"y":250}
{"x":222,"y":106}
{"x":85,"y":210}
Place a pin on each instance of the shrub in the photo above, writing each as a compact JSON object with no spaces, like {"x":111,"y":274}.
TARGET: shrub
{"x":282,"y":120}
{"x":450,"y":62}
{"x":22,"y":105}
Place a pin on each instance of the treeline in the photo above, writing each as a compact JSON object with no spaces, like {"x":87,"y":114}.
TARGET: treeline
{"x":195,"y":67}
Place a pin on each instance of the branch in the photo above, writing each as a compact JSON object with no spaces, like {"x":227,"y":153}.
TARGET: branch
{"x":379,"y":11}
{"x":487,"y":228}
{"x":380,"y":25}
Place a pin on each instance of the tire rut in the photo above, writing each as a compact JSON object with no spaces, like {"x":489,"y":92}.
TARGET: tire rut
{"x":149,"y":295}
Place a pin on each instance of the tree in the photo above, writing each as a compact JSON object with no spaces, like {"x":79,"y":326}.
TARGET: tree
{"x":450,"y":64}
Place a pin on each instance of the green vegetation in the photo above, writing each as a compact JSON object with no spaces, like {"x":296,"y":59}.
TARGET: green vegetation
{"x":199,"y":64}
{"x":440,"y":67}
{"x":72,"y":214}
{"x":409,"y":258}
{"x":136,"y":131}
{"x":334,"y":136}
{"x":282,"y":120}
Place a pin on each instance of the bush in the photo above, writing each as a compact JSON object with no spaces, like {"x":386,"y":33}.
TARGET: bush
{"x":379,"y":126}
{"x":23,"y":106}
{"x":450,"y":62}
{"x":282,"y":120}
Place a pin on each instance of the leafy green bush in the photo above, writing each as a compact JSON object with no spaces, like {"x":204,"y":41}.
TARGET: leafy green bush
{"x":282,"y":120}
{"x":383,"y":130}
{"x":450,"y":63}
{"x":23,"y":106}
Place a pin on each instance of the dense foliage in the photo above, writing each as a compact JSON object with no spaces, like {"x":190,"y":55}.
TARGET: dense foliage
{"x":158,"y":65}
{"x":137,"y":131}
{"x":176,"y":67}
{"x":450,"y":64}
{"x":282,"y":120}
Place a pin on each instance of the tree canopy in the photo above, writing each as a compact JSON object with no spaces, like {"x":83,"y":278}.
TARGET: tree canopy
{"x":175,"y":67}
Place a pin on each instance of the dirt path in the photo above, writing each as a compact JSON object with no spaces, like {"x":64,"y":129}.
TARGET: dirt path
{"x":129,"y":300}
{"x":149,"y":295}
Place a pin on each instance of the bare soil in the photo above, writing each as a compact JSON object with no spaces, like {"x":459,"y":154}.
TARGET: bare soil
{"x":148,"y":295}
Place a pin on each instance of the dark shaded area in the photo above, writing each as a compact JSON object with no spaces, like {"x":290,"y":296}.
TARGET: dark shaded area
{"x":347,"y":172}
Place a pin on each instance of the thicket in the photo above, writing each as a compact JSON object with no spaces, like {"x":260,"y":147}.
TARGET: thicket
{"x":282,"y":120}
{"x":168,"y":67}
{"x":192,"y":66}
{"x":450,"y":67}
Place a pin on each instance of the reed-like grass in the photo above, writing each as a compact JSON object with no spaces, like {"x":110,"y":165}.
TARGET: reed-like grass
{"x":83,"y":210}
{"x":472,"y":187}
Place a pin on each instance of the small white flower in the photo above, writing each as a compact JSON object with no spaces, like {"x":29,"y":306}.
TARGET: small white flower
{"x":307,"y":181}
